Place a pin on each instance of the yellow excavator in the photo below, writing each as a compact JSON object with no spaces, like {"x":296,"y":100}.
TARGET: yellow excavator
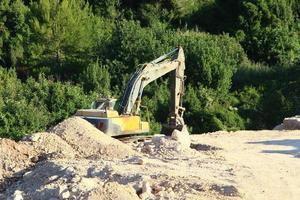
{"x":126,"y":120}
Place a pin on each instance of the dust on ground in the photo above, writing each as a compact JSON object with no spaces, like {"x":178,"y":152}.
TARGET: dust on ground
{"x":77,"y":161}
{"x":266,"y":163}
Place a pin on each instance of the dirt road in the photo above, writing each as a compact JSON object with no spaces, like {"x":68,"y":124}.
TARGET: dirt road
{"x":266,"y":163}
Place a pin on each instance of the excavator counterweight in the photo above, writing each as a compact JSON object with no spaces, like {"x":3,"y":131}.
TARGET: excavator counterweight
{"x":126,"y":119}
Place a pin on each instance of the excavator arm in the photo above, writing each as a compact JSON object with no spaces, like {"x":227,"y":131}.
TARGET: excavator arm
{"x":173,"y":63}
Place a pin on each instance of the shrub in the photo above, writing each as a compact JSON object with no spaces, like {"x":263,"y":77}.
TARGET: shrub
{"x":210,"y":60}
{"x":96,"y":78}
{"x":35,"y":105}
{"x":207,"y":112}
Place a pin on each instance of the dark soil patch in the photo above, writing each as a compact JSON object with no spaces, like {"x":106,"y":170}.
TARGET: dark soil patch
{"x":204,"y":147}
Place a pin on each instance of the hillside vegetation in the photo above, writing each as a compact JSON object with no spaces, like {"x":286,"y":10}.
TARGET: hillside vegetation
{"x":242,"y":59}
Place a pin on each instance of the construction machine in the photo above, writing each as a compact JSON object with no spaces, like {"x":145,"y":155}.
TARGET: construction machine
{"x":126,"y":120}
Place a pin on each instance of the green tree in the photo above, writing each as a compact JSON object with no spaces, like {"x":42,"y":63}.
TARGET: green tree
{"x":270,"y":31}
{"x":96,"y":78}
{"x":35,"y":105}
{"x":13,"y":32}
{"x":64,"y":34}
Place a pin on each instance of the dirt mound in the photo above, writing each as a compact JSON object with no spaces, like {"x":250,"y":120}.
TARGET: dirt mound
{"x":14,"y":157}
{"x":89,"y":142}
{"x":51,"y":145}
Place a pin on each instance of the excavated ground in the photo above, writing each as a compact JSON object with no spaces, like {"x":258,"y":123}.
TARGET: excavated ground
{"x":77,"y":161}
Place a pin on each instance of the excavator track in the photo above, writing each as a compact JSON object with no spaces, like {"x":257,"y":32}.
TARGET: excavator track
{"x":135,"y":138}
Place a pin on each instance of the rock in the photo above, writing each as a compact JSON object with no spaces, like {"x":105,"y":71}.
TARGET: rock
{"x":181,"y":190}
{"x":74,"y":190}
{"x":146,"y":191}
{"x":148,"y":149}
{"x":145,"y":196}
{"x":64,"y":192}
{"x":279,"y":127}
{"x":34,"y":159}
{"x":171,"y":194}
{"x":26,"y":174}
{"x":182,"y":137}
{"x":76,"y":179}
{"x":18,"y":195}
{"x":162,"y":141}
{"x":139,"y":160}
{"x":146,"y":187}
{"x":34,"y":137}
{"x":157,"y":188}
{"x":292,"y":123}
{"x":65,"y":195}
{"x":53,"y":178}
{"x":178,"y":148}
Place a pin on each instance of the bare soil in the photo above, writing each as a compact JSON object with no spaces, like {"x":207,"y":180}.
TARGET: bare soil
{"x":266,"y":164}
{"x":77,"y":161}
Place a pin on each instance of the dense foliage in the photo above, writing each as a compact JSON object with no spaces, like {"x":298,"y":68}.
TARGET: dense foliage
{"x":242,"y":59}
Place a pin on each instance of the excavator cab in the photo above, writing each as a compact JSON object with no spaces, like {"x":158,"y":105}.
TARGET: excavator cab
{"x":104,"y":104}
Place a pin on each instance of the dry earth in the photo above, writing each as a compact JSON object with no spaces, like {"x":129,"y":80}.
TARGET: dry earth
{"x":77,"y":161}
{"x":266,"y":163}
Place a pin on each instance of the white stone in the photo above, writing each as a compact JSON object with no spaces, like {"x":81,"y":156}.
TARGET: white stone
{"x":34,"y":137}
{"x":17,"y":195}
{"x":182,"y":137}
{"x":140,"y":161}
{"x":65,"y":195}
{"x":146,"y":187}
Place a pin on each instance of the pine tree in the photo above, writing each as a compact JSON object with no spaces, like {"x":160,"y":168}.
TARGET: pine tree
{"x":64,"y":34}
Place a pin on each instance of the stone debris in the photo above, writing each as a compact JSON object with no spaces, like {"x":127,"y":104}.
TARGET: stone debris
{"x":291,"y":123}
{"x":18,"y":195}
{"x":167,"y":146}
{"x":182,"y":137}
{"x":14,"y":157}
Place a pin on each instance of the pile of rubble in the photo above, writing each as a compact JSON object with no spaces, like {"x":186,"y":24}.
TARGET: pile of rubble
{"x":164,"y":146}
{"x":15,"y":157}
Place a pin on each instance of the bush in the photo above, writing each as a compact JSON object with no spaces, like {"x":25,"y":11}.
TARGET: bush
{"x":35,"y":105}
{"x":20,"y":117}
{"x":96,"y":78}
{"x":207,"y":112}
{"x":266,"y":97}
{"x":271,"y":31}
{"x":210,"y":60}
{"x":249,"y":106}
